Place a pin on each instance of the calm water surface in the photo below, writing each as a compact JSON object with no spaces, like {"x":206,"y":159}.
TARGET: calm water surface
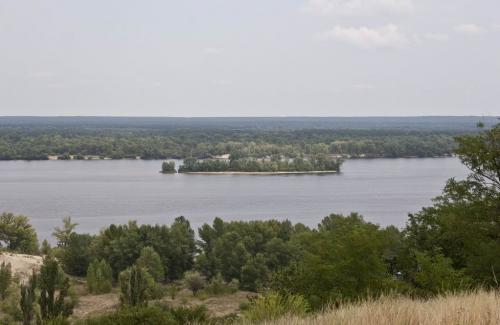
{"x":97,"y":193}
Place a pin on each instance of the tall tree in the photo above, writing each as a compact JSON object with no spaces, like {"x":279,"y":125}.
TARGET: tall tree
{"x":17,"y":234}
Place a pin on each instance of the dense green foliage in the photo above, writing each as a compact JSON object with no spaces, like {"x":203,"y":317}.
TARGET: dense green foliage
{"x":99,"y":277}
{"x":16,"y":234}
{"x":136,"y":286}
{"x":464,"y":223}
{"x":157,"y":142}
{"x":28,"y":300}
{"x":319,"y":162}
{"x":151,"y":261}
{"x":168,"y":167}
{"x":121,"y":245}
{"x":54,"y":290}
{"x":5,"y":279}
{"x":246,"y":251}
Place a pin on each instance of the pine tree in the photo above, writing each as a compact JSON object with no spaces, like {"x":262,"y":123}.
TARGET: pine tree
{"x":5,"y":279}
{"x":51,"y":280}
{"x":28,"y":299}
{"x":135,"y":285}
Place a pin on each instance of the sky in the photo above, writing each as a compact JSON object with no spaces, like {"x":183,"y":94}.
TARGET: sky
{"x":250,"y":58}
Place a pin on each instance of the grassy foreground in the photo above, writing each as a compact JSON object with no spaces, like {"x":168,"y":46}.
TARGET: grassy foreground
{"x":479,"y":307}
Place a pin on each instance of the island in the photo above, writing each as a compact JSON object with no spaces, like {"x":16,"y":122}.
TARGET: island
{"x":269,"y":165}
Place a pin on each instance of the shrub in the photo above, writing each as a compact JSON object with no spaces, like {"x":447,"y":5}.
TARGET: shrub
{"x":151,"y":261}
{"x":99,"y":277}
{"x":172,"y":291}
{"x":194,"y":281}
{"x":218,"y":286}
{"x":136,"y":286}
{"x":189,"y":315}
{"x":274,"y":305}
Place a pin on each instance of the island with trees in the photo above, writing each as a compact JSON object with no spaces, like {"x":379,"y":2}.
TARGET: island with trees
{"x":267,"y":165}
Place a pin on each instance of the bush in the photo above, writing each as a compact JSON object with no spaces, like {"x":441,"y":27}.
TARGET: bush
{"x":274,"y":305}
{"x":172,"y":291}
{"x":151,"y":261}
{"x":136,"y":286}
{"x":184,"y":315}
{"x":194,"y":281}
{"x":218,"y":286}
{"x":99,"y":277}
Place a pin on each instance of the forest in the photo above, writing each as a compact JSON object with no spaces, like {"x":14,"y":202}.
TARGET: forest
{"x":451,"y":246}
{"x":149,"y":138}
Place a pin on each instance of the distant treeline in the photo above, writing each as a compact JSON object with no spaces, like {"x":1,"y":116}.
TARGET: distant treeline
{"x":38,"y":143}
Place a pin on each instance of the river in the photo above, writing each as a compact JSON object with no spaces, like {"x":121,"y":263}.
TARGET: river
{"x":97,"y":193}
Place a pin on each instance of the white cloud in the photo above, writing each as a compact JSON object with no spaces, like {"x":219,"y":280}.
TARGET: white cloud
{"x":437,"y":37}
{"x":389,"y":36}
{"x":358,"y":7}
{"x":470,"y":29}
{"x":212,"y":51}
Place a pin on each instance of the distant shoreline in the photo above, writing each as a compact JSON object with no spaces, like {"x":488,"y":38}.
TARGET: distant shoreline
{"x":316,"y":172}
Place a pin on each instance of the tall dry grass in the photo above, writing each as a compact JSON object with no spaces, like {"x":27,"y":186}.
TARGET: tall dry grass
{"x":479,"y":308}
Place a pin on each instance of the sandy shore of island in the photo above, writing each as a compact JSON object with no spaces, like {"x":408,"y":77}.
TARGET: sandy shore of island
{"x":316,"y":172}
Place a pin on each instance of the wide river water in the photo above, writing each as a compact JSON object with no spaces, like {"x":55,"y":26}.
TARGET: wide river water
{"x":97,"y":193}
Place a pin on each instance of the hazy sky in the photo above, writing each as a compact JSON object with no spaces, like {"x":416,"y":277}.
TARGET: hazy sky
{"x":249,"y":58}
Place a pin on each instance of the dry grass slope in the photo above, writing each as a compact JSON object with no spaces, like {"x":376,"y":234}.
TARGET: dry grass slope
{"x":478,"y":308}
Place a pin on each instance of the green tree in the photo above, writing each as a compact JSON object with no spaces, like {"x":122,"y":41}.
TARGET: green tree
{"x":464,"y":222}
{"x":75,"y":256}
{"x":45,"y":249}
{"x":151,"y":261}
{"x":17,"y":234}
{"x":63,"y":234}
{"x":28,"y":299}
{"x":5,"y":279}
{"x":168,"y":167}
{"x":136,"y":286}
{"x":343,"y":260}
{"x":54,"y":289}
{"x":99,"y":277}
{"x":436,"y":275}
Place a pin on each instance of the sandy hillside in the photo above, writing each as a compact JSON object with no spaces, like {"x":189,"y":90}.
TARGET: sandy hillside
{"x":22,"y":265}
